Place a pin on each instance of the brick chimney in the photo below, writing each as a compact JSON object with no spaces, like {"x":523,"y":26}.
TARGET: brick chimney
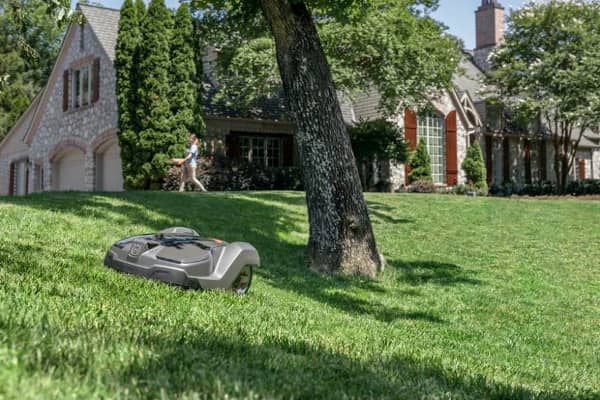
{"x":489,"y":28}
{"x":489,"y":22}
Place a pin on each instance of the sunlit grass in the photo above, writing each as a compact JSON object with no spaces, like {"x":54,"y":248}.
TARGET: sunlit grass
{"x":482,"y":298}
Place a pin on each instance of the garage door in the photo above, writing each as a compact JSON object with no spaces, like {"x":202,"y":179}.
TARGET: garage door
{"x":109,"y":176}
{"x":69,"y":171}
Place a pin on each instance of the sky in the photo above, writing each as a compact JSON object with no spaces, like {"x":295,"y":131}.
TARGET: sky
{"x":458,"y":15}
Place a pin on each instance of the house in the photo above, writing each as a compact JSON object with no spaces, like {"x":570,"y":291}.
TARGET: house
{"x":67,"y":138}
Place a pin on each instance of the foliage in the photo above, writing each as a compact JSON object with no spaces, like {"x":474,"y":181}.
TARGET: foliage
{"x":157,"y":142}
{"x":548,"y":66}
{"x":376,"y":141}
{"x":422,"y":186}
{"x":239,"y":176}
{"x":393,"y":45}
{"x":474,"y":166}
{"x":420,"y":164}
{"x":126,"y":62}
{"x":183,"y":81}
{"x":584,"y":187}
{"x":443,"y":321}
{"x":29,"y":42}
{"x":378,"y":138}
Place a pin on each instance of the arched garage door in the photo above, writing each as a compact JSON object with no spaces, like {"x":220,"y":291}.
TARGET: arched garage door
{"x":68,"y":171}
{"x":109,"y":175}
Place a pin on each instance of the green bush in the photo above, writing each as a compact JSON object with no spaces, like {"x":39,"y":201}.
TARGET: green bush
{"x":474,"y":167}
{"x":420,"y":164}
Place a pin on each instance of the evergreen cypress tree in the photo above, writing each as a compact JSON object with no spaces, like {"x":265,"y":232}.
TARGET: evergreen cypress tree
{"x":128,"y":40}
{"x":157,"y":140}
{"x":474,"y":166}
{"x":183,"y":77}
{"x":199,"y":45}
{"x":141,"y":10}
{"x":420,"y":164}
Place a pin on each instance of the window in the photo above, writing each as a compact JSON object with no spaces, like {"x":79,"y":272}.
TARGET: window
{"x":82,"y":87}
{"x":261,"y":150}
{"x":430,"y":128}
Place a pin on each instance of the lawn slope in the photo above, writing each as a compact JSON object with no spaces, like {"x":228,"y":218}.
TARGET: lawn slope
{"x":482,"y":298}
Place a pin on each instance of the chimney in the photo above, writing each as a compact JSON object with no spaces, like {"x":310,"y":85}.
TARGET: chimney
{"x":489,"y":23}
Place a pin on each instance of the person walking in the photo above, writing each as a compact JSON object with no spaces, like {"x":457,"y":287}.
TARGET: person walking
{"x":189,"y":165}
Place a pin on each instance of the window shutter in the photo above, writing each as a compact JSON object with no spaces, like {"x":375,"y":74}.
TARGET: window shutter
{"x":543,"y":161}
{"x":451,"y":150}
{"x":581,"y":169}
{"x":66,"y":90}
{"x":410,"y":134}
{"x":288,"y":151}
{"x":233,"y":146}
{"x":96,"y":81}
{"x":11,"y":180}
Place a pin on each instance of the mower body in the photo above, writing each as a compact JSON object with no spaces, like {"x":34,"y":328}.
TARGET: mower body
{"x":180,"y":256}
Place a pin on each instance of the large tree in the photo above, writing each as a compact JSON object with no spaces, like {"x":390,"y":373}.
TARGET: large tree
{"x":29,"y":42}
{"x":157,"y":143}
{"x":183,"y":81}
{"x":341,"y":237}
{"x":127,"y":49}
{"x":549,"y":68}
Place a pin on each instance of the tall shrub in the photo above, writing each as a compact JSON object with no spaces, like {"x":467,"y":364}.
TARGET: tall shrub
{"x":474,"y":166}
{"x":420,"y":164}
{"x":128,"y":41}
{"x":182,"y":77}
{"x":157,"y":141}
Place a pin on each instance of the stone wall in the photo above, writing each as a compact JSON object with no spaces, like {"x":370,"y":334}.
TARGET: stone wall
{"x":84,"y":124}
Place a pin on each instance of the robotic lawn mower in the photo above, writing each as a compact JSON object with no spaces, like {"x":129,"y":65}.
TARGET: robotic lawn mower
{"x":180,"y":256}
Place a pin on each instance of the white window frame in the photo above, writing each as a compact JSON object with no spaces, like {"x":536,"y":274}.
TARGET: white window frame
{"x":249,"y":145}
{"x":431,"y":128}
{"x":81,"y":99}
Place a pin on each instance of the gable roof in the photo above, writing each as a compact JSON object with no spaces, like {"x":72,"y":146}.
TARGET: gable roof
{"x":104,"y":22}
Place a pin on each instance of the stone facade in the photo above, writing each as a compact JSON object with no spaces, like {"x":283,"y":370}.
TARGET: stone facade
{"x":56,"y":127}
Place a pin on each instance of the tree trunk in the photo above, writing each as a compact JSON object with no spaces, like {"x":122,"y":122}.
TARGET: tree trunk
{"x":341,"y":237}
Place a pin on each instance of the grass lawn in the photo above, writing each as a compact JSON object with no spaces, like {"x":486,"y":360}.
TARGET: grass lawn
{"x":482,"y":298}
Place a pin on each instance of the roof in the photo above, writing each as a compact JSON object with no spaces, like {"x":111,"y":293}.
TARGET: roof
{"x":104,"y":22}
{"x":469,"y":78}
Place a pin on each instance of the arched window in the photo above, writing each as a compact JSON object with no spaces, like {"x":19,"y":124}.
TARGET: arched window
{"x":430,"y":128}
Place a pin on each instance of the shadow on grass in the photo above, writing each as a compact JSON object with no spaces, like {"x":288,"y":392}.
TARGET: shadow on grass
{"x":214,"y":365}
{"x":424,"y":272}
{"x":285,"y":368}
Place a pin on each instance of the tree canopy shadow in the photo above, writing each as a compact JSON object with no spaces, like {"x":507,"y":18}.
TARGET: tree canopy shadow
{"x":205,"y":363}
{"x":200,"y":359}
{"x":424,"y":272}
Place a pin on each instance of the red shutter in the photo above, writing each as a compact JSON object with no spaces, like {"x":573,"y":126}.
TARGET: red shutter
{"x":66,"y":90}
{"x":489,"y":161}
{"x":410,"y":135}
{"x":11,"y":179}
{"x":543,"y":161}
{"x":506,"y":160}
{"x":96,"y":81}
{"x":288,"y":151}
{"x":581,"y":169}
{"x":233,"y":146}
{"x":451,"y":150}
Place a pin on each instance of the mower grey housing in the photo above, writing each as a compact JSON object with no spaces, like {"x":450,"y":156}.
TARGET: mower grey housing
{"x":180,"y":256}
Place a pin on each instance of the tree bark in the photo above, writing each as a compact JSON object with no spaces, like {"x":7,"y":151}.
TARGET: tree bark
{"x":341,"y":237}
